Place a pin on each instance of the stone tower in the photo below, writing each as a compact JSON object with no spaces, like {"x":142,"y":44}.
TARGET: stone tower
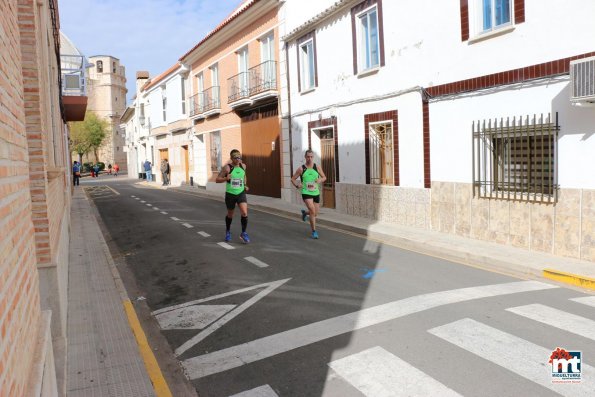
{"x":107,"y":98}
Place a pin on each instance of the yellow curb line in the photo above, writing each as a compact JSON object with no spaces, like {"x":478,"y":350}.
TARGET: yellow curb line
{"x":157,"y":379}
{"x":569,"y":278}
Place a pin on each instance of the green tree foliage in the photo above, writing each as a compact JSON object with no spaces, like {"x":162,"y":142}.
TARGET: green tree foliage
{"x":88,"y":135}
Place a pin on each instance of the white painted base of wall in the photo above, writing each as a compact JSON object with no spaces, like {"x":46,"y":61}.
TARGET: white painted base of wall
{"x":42,"y":379}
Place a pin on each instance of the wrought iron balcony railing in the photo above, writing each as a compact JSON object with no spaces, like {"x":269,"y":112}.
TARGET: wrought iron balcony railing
{"x":238,"y":87}
{"x":263,"y":77}
{"x":212,"y":100}
{"x":197,"y":104}
{"x":73,"y":75}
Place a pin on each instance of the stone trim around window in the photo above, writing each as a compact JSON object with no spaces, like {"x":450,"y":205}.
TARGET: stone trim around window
{"x":354,"y":10}
{"x":303,"y":39}
{"x":391,"y":115}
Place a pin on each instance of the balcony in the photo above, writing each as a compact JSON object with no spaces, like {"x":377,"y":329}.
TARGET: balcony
{"x":73,"y":87}
{"x":197,"y":105}
{"x":258,"y":83}
{"x":205,"y":104}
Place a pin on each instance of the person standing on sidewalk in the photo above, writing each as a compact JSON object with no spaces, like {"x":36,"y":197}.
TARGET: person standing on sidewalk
{"x":165,"y":171}
{"x":96,"y":169}
{"x":148,"y":171}
{"x":311,"y":176}
{"x":116,"y":169}
{"x":76,"y":173}
{"x":234,"y":175}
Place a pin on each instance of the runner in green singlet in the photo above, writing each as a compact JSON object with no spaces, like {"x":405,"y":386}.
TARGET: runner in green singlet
{"x":311,"y":177}
{"x":234,"y":175}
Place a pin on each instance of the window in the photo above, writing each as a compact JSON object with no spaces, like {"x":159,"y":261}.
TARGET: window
{"x":307,"y":66}
{"x":243,"y":70}
{"x":381,"y":153}
{"x":113,"y":67}
{"x":267,"y":48}
{"x":494,"y":14}
{"x":369,"y":50}
{"x":99,"y":66}
{"x":164,"y":103}
{"x":215,"y":84}
{"x":367,"y":36}
{"x":515,"y":159}
{"x":215,"y":151}
{"x":183,"y":91}
{"x":200,"y":88}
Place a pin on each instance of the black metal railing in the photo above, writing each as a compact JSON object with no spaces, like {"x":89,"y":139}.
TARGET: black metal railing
{"x":211,"y":98}
{"x":238,"y":87}
{"x":197,"y":104}
{"x":263,"y":77}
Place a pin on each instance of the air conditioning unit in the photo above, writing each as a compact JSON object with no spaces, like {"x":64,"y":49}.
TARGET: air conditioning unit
{"x":582,"y":82}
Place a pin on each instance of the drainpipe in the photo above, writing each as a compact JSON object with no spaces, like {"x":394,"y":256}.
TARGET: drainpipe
{"x":289,"y":109}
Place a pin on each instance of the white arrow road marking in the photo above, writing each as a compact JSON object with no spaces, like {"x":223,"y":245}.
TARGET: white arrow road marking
{"x":587,"y":300}
{"x":173,"y":218}
{"x":521,"y":357}
{"x":204,"y":234}
{"x":164,"y":213}
{"x":255,"y":261}
{"x":270,"y":287}
{"x":378,"y":373}
{"x":236,"y":356}
{"x":557,"y":318}
{"x":192,"y":317}
{"x":262,"y":391}
{"x":189,"y":226}
{"x":226,"y":246}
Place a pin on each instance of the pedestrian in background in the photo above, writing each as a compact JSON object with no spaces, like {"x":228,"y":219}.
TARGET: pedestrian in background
{"x":234,"y":175}
{"x":109,"y":168}
{"x":76,"y":173}
{"x":116,"y":169}
{"x":148,"y":171}
{"x":165,"y":171}
{"x":96,"y":169}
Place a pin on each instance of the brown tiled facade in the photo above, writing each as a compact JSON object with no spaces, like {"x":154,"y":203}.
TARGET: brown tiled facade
{"x":34,"y":202}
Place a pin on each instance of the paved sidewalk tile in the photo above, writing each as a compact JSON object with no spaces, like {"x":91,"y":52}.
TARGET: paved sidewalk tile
{"x":103,"y":357}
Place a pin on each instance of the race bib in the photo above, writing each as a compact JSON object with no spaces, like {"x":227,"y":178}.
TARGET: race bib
{"x":311,"y":186}
{"x":236,"y":182}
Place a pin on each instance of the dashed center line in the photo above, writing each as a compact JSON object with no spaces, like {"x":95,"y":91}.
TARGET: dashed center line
{"x":255,"y":261}
{"x":143,"y":201}
{"x":226,"y":246}
{"x":189,"y":226}
{"x":164,"y":213}
{"x":136,"y":198}
{"x":149,"y":205}
{"x":156,"y":209}
{"x":132,"y":196}
{"x":204,"y":234}
{"x":173,"y":218}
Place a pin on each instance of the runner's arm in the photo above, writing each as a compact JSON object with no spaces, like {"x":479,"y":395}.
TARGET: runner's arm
{"x":295,"y":176}
{"x":321,"y":176}
{"x":223,"y":175}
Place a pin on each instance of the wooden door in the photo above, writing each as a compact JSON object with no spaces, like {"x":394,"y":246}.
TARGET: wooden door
{"x":261,"y":151}
{"x":186,"y":164}
{"x":327,"y":155}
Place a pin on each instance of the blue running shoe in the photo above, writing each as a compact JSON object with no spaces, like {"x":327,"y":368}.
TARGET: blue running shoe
{"x":244,"y":237}
{"x":304,"y":215}
{"x":227,"y":236}
{"x":315,"y":235}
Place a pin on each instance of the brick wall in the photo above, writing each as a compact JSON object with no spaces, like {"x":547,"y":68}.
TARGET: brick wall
{"x":19,"y":292}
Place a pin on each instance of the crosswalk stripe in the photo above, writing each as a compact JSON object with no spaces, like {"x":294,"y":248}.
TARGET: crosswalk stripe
{"x":255,"y":261}
{"x":587,"y":300}
{"x":259,"y":349}
{"x":262,"y":391}
{"x":513,"y":353}
{"x":204,"y":234}
{"x":378,"y":373}
{"x":557,"y":318}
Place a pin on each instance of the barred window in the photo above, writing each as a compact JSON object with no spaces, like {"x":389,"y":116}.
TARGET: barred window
{"x":516,"y":159}
{"x":381,"y":153}
{"x":216,"y":151}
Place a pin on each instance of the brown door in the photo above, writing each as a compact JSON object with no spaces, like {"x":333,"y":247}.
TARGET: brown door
{"x":261,"y":152}
{"x":327,"y":149}
{"x":186,"y":165}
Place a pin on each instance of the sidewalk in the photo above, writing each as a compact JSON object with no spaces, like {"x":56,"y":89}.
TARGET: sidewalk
{"x":497,"y":257}
{"x":103,"y":355}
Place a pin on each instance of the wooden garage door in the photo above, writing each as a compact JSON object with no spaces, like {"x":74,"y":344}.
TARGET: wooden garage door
{"x":261,"y":150}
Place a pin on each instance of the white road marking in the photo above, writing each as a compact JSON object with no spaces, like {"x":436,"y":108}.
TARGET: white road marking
{"x":164,"y":213}
{"x":156,"y":209}
{"x":143,"y":201}
{"x":226,"y":246}
{"x":136,"y":198}
{"x":261,"y":391}
{"x":204,"y":234}
{"x":226,"y":318}
{"x":256,"y":262}
{"x":193,"y":317}
{"x":149,"y":205}
{"x":173,"y":218}
{"x":557,"y":318}
{"x":236,"y":356}
{"x":113,"y":190}
{"x":521,"y":357}
{"x":132,"y":195}
{"x":189,"y":226}
{"x":587,"y":300}
{"x":378,"y":373}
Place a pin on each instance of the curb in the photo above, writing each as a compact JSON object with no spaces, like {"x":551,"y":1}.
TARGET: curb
{"x":569,"y":278}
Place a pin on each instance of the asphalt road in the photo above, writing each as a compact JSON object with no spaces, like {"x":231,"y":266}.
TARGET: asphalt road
{"x":340,"y":316}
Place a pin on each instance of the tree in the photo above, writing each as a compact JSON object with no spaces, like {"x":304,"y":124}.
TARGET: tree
{"x":88,"y":135}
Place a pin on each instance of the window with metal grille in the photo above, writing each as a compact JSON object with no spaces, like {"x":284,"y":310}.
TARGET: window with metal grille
{"x":516,"y":159}
{"x":215,"y":151}
{"x":381,"y":153}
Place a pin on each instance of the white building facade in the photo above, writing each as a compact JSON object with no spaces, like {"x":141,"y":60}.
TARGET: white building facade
{"x":454,"y":116}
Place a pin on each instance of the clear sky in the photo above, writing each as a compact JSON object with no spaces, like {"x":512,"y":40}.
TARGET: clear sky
{"x":143,"y":34}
